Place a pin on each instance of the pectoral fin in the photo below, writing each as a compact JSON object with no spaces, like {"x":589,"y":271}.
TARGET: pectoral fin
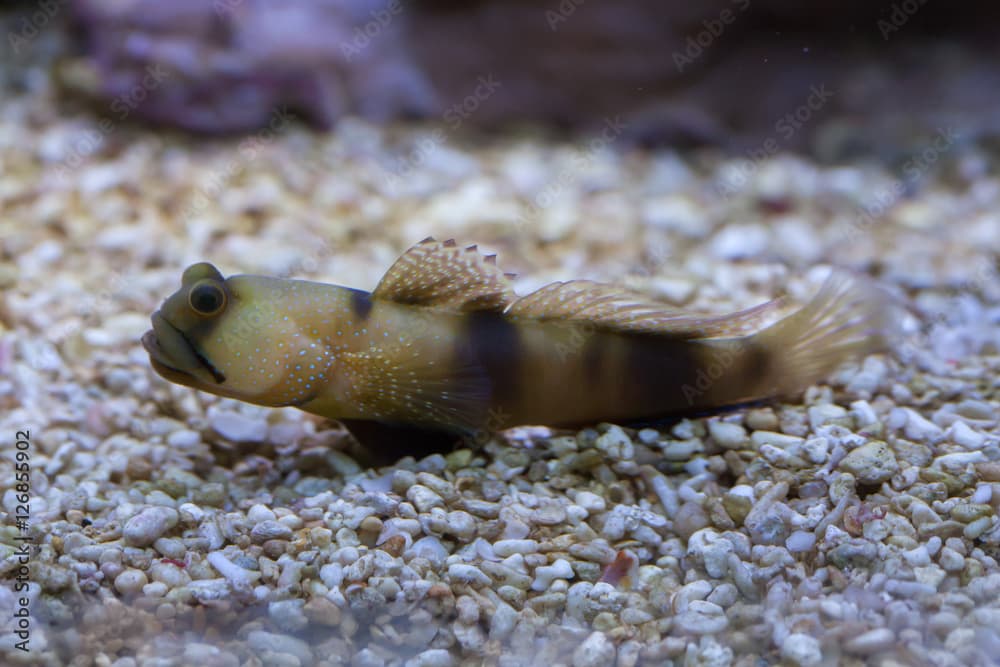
{"x":396,"y":387}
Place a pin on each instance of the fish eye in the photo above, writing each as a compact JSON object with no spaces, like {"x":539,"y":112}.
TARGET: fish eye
{"x":206,"y":298}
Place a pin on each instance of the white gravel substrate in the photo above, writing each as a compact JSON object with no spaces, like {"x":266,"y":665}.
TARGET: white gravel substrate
{"x":175,"y":528}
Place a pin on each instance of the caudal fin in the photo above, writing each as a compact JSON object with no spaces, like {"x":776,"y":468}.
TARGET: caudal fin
{"x":848,"y":318}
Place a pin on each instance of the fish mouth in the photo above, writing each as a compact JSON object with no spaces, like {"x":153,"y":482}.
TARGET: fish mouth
{"x":152,"y":345}
{"x":163,"y":362}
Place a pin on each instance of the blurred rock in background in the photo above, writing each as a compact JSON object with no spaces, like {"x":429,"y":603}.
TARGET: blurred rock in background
{"x":226,"y":65}
{"x":750,"y":75}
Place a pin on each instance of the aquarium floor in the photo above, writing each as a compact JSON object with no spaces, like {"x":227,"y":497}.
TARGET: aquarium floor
{"x":854,"y":524}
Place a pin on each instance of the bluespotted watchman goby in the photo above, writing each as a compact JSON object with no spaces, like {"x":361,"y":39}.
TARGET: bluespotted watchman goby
{"x":443,"y":342}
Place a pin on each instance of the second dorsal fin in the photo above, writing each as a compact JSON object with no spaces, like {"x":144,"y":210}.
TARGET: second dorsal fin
{"x":442,"y":275}
{"x":620,"y":309}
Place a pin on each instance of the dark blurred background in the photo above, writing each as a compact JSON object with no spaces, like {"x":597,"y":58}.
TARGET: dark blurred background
{"x":732,"y":73}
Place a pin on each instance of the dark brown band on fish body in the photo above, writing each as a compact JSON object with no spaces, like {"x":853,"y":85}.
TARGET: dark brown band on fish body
{"x":660,"y":373}
{"x":756,"y":371}
{"x":730,"y":372}
{"x":494,"y":343}
{"x":756,"y":360}
{"x":594,"y":356}
{"x":361,"y":304}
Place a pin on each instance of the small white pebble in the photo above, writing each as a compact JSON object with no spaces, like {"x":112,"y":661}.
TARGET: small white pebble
{"x":958,"y":459}
{"x":261,"y":641}
{"x":130,"y":581}
{"x":918,"y":556}
{"x":933,"y":545}
{"x":544,"y":575}
{"x":801,"y":649}
{"x":504,"y":548}
{"x":648,"y":436}
{"x":633,"y":616}
{"x":863,"y":413}
{"x":467,"y":574}
{"x":428,"y":547}
{"x":270,"y":530}
{"x":871,"y":463}
{"x":779,"y":440}
{"x":155,"y":589}
{"x":800,"y":540}
{"x":145,"y":527}
{"x":962,"y":434}
{"x":702,"y":618}
{"x":727,"y":435}
{"x":696,"y":590}
{"x":332,"y":575}
{"x":183,"y":438}
{"x":921,"y":429}
{"x":873,"y":641}
{"x":825,"y":413}
{"x":435,"y":657}
{"x":168,"y":574}
{"x":595,"y":651}
{"x":259,"y":513}
{"x":983,"y":494}
{"x":191,"y":513}
{"x":233,"y":573}
{"x":616,"y":444}
{"x":738,"y":241}
{"x":238,"y":427}
{"x":423,"y":498}
{"x":977,"y":527}
{"x":590,"y":501}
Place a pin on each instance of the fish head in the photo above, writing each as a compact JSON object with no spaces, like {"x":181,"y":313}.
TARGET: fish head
{"x":225,"y":335}
{"x":186,"y":318}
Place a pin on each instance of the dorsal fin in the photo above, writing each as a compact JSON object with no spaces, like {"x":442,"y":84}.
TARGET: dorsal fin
{"x":620,"y":309}
{"x":442,"y":275}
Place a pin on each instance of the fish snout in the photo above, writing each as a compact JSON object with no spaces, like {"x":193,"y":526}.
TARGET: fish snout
{"x":172,"y":354}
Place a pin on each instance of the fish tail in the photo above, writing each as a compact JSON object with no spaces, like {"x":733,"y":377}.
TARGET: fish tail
{"x":847,"y":319}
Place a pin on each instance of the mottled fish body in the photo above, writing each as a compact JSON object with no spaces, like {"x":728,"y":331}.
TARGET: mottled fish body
{"x":444,"y":343}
